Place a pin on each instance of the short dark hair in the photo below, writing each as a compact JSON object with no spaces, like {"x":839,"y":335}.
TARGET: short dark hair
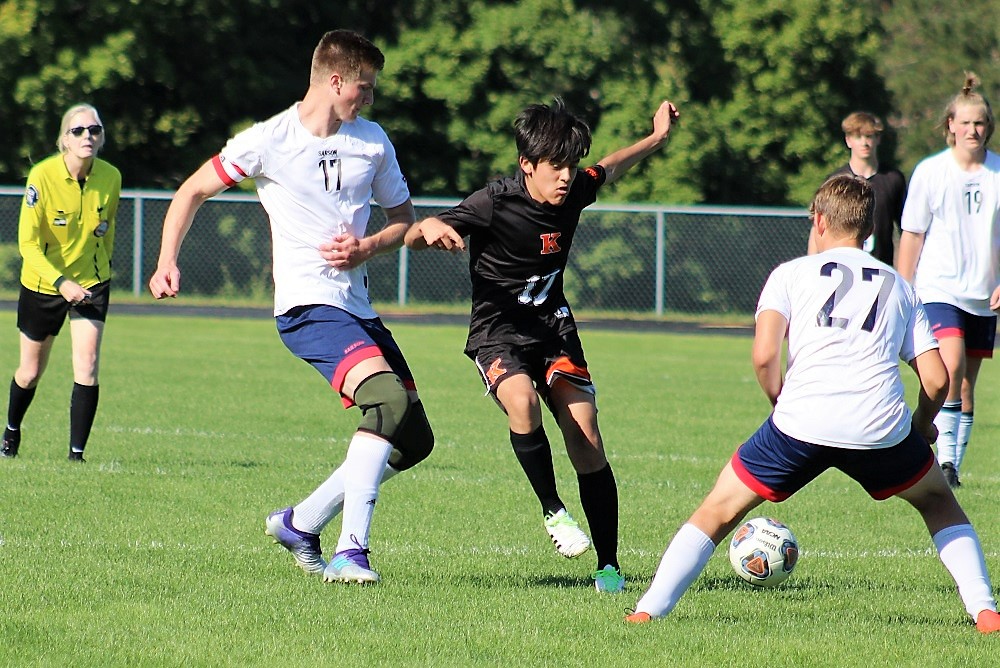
{"x":347,"y":52}
{"x":552,"y":134}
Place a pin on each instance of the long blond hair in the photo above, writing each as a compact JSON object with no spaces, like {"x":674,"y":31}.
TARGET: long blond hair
{"x":966,"y":98}
{"x":68,"y":118}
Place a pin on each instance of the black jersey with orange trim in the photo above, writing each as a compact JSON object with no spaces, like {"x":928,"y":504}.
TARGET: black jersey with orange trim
{"x":518,"y":250}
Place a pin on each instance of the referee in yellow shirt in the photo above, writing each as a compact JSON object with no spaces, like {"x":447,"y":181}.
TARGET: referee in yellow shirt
{"x":66,"y":237}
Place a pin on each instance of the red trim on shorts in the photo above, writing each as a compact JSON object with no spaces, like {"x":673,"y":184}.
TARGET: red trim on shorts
{"x":565,"y":367}
{"x":986,"y":354}
{"x":221,"y":171}
{"x":756,"y":486}
{"x":949,"y":333}
{"x":349,"y":362}
{"x":884,"y":494}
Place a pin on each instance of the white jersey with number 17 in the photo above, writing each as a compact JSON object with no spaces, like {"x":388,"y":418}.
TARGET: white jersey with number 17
{"x":314,"y":188}
{"x":851,"y":319}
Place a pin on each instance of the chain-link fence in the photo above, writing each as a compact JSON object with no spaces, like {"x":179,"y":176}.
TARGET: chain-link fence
{"x":626,"y":259}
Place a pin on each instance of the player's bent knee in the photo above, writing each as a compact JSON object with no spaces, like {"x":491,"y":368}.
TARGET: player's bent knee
{"x":384,"y":404}
{"x":414,"y":441}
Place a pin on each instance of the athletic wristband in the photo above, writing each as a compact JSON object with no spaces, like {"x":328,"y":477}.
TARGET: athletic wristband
{"x":59,"y":281}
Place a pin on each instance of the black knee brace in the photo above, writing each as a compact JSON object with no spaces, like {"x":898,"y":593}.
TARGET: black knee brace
{"x":414,"y":440}
{"x":384,"y":404}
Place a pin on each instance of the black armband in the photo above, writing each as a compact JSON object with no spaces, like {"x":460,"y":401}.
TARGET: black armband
{"x":59,"y":281}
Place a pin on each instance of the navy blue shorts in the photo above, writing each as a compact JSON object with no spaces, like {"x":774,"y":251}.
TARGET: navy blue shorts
{"x":333,"y":341}
{"x":775,"y":465}
{"x":978,"y":331}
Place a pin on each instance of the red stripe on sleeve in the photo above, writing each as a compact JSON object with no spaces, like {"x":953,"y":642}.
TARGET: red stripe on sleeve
{"x":221,"y":171}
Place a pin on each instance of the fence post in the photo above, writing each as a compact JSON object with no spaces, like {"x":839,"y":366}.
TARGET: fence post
{"x":661,"y":249}
{"x":137,"y":245}
{"x":402,"y":287}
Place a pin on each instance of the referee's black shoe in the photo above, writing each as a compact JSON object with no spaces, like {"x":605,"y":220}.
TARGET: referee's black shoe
{"x":11,"y":442}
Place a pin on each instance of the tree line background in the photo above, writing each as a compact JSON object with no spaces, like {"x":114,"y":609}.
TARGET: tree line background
{"x":762,"y":86}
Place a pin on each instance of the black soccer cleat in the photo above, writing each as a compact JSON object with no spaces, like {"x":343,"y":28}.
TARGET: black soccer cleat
{"x":951,"y":475}
{"x":76,"y":457}
{"x":11,"y":442}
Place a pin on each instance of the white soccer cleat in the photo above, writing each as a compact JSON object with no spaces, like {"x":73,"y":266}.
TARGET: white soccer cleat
{"x":566,"y":534}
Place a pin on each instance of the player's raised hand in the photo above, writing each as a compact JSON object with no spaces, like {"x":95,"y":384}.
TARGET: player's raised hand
{"x":165,"y":282}
{"x":664,"y":118}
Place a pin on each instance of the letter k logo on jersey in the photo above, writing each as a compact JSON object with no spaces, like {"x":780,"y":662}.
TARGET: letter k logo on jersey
{"x":550,"y":243}
{"x":494,"y":372}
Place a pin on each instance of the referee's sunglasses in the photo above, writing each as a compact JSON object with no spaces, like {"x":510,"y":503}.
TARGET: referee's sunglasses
{"x":94,"y":130}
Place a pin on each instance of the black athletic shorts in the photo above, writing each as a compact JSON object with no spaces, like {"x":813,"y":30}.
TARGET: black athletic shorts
{"x":40,"y":316}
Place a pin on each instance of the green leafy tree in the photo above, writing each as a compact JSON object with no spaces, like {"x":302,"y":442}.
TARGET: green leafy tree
{"x":925,"y":61}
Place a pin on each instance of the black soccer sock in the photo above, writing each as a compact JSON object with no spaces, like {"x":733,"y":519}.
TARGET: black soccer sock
{"x":17,"y":406}
{"x":535,"y":456}
{"x":599,"y":497}
{"x":82,"y":409}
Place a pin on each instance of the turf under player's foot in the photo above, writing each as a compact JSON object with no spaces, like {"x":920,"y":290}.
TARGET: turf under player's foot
{"x":11,"y":442}
{"x":303,"y":546}
{"x":566,"y":534}
{"x":951,"y":475}
{"x":351,"y":566}
{"x":609,"y":580}
{"x":638,"y":618}
{"x":988,"y":622}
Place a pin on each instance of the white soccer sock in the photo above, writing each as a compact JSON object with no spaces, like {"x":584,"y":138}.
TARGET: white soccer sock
{"x":960,"y":552}
{"x":947,"y":424}
{"x":362,"y":470}
{"x":962,"y":442}
{"x":681,"y":564}
{"x":315,"y":512}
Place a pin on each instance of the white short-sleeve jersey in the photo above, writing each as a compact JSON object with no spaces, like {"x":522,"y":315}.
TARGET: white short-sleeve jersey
{"x":851,"y":319}
{"x":314,"y":188}
{"x":959,"y":214}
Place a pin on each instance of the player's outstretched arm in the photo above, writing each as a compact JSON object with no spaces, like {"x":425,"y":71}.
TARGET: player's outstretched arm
{"x":622,"y":160}
{"x":767,"y":343}
{"x":200,"y":186}
{"x":345,"y":251}
{"x":434,"y":232}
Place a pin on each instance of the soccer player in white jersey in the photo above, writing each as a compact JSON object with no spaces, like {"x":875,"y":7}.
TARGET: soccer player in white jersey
{"x":317,"y":165}
{"x":950,"y":251}
{"x":849,"y":319}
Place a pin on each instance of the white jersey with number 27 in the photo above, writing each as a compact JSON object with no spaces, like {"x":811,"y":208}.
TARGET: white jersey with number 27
{"x":315,"y":188}
{"x":851,"y":319}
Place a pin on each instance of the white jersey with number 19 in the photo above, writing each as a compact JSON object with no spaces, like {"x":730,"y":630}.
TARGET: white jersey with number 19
{"x":314,"y":188}
{"x":852,"y":318}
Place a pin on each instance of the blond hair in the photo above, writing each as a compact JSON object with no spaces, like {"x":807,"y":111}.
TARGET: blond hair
{"x":967,"y":98}
{"x":862,"y":123}
{"x":847,"y":203}
{"x":68,"y":118}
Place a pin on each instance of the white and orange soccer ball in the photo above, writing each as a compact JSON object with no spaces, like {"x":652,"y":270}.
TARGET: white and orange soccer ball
{"x":763,"y":551}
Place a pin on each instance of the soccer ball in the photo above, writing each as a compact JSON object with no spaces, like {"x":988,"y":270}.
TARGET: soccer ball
{"x":763,"y":552}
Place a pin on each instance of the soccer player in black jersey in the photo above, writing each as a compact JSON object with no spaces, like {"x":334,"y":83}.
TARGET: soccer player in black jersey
{"x":522,"y":335}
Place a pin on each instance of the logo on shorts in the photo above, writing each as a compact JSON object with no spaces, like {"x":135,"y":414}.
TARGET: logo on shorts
{"x":495,"y":372}
{"x":31,"y":196}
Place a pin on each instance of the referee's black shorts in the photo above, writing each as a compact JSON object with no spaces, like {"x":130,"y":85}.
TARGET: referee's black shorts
{"x":40,"y":316}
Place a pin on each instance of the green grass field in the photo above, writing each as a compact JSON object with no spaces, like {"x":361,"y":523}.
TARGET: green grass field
{"x":153,"y":553}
